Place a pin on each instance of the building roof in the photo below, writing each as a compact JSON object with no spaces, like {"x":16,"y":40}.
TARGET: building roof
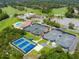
{"x":22,"y":17}
{"x":29,"y":15}
{"x":67,"y":21}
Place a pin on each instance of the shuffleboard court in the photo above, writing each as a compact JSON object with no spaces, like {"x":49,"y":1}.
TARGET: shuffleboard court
{"x":18,"y":41}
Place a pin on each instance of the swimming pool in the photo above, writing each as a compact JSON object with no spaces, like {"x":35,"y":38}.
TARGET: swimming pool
{"x":18,"y":24}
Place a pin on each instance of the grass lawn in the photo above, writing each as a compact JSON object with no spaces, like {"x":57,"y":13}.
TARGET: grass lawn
{"x":7,"y":22}
{"x":42,"y":41}
{"x":37,"y":11}
{"x":77,"y":46}
{"x":71,"y":32}
{"x":29,"y":35}
{"x":46,"y":49}
{"x":59,"y":10}
{"x":11,"y":11}
{"x":77,"y":18}
{"x":33,"y":52}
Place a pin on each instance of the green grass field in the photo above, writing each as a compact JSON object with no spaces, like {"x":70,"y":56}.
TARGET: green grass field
{"x":46,"y":49}
{"x":71,"y":32}
{"x":59,"y":10}
{"x":11,"y":11}
{"x":42,"y":41}
{"x":29,"y":35}
{"x":37,"y":11}
{"x":7,"y":22}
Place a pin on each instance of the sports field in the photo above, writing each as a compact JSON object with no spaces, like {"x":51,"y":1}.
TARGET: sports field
{"x":36,"y":29}
{"x":64,"y":39}
{"x":24,"y":45}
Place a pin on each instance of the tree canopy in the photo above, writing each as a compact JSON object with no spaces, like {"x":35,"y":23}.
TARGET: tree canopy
{"x":55,"y":53}
{"x":6,"y":36}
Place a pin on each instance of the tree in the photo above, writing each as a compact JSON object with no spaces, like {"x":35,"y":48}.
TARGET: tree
{"x":6,"y":36}
{"x":55,"y":53}
{"x":70,"y":12}
{"x":71,"y":26}
{"x":0,"y":11}
{"x":52,"y":23}
{"x":3,"y":16}
{"x":46,"y":11}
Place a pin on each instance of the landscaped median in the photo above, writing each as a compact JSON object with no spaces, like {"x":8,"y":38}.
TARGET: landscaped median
{"x":71,"y":32}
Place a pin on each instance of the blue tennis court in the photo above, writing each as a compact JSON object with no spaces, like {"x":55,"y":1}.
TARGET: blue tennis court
{"x":24,"y":45}
{"x":28,"y":48}
{"x":18,"y":41}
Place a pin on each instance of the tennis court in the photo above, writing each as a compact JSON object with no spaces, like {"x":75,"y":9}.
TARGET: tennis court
{"x":37,"y":29}
{"x":24,"y":45}
{"x":64,"y":39}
